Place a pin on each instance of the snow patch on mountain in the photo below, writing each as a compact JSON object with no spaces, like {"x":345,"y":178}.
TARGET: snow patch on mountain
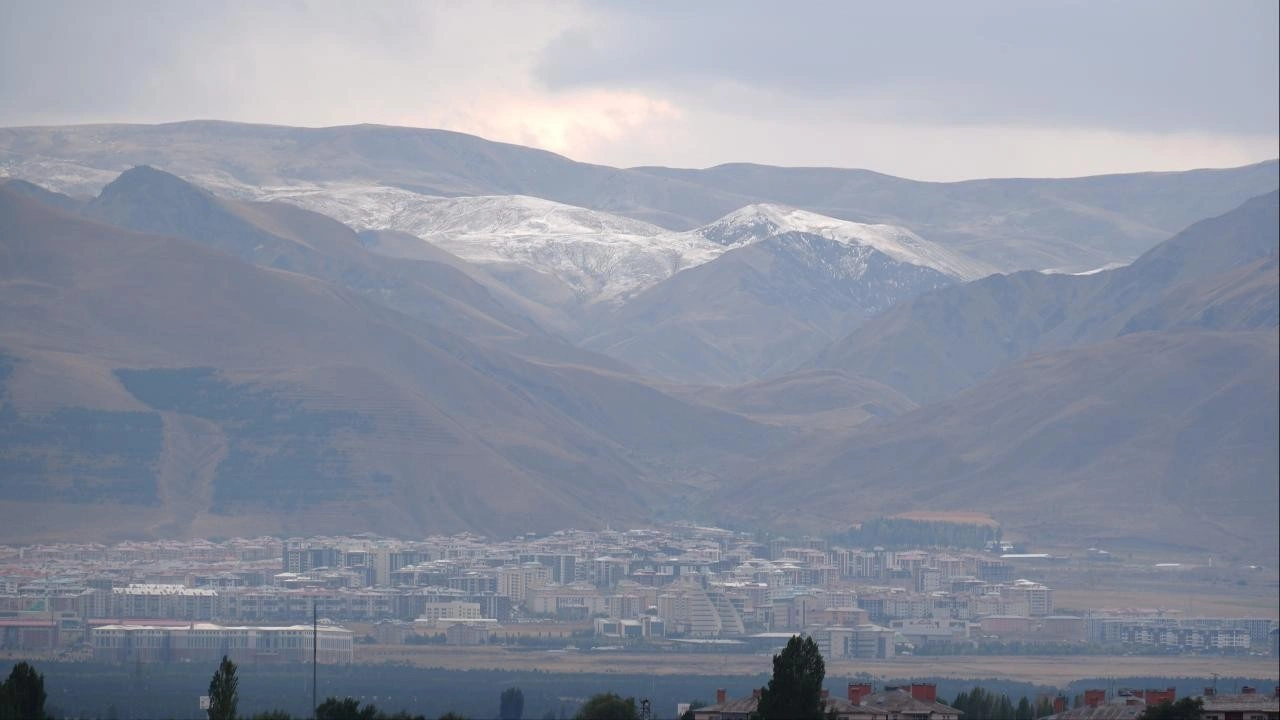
{"x":1105,"y":268}
{"x":602,"y":257}
{"x":766,"y":220}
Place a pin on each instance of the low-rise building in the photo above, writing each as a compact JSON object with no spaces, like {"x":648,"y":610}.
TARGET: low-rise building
{"x":918,"y":701}
{"x":206,"y":642}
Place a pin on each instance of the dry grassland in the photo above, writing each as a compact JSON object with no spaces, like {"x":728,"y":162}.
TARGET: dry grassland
{"x":1186,"y":604}
{"x":961,"y":517}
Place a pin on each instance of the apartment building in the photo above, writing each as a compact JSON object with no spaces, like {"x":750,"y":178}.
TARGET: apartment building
{"x":206,"y":642}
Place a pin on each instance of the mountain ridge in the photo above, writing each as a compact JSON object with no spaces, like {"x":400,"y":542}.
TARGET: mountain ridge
{"x":937,"y":343}
{"x":274,"y":378}
{"x":1011,"y":224}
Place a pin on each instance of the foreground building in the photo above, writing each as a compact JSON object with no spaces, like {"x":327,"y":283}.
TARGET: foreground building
{"x":1249,"y":704}
{"x":918,"y":701}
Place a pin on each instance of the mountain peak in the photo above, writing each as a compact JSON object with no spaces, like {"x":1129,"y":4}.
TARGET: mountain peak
{"x":146,"y":182}
{"x":759,"y":221}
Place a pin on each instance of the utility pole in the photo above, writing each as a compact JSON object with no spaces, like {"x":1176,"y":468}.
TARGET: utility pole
{"x":315,"y":625}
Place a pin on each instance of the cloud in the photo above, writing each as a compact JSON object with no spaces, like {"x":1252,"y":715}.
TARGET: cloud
{"x":927,"y":89}
{"x":583,"y":123}
{"x":1140,"y":65}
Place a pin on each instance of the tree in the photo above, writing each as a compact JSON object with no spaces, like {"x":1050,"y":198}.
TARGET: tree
{"x":1024,"y":710}
{"x":608,"y":706}
{"x":22,"y":696}
{"x":350,"y":709}
{"x":223,"y":691}
{"x":795,"y":691}
{"x":345,"y":709}
{"x":512,"y":704}
{"x":1185,"y":709}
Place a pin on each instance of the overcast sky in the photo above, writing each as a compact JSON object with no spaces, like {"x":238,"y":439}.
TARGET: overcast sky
{"x":931,"y":90}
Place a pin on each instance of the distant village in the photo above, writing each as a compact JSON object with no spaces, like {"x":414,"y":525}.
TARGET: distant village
{"x":682,"y":588}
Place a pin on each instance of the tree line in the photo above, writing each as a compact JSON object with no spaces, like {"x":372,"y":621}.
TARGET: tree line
{"x":904,"y":533}
{"x":793,"y":691}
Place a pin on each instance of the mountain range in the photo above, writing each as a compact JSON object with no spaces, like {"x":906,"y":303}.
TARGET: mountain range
{"x":1074,"y":224}
{"x":212,"y":328}
{"x":1217,"y":273}
{"x":186,"y":390}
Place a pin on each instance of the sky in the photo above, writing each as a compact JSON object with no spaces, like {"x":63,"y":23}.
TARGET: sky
{"x":929,"y":90}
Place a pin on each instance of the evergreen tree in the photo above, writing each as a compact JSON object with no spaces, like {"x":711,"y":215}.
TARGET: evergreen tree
{"x":1187,"y":708}
{"x":608,"y":706}
{"x":223,"y":691}
{"x":1004,"y":709}
{"x":22,"y":695}
{"x":1024,"y":711}
{"x":512,"y":704}
{"x":795,"y":691}
{"x":350,"y":709}
{"x":345,"y":709}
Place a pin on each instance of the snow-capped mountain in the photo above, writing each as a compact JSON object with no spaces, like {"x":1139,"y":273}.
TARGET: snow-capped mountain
{"x":756,"y":222}
{"x":760,"y":309}
{"x":601,"y":257}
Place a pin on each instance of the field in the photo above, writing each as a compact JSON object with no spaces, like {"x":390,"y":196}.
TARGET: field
{"x":1056,"y":670}
{"x":1195,"y":603}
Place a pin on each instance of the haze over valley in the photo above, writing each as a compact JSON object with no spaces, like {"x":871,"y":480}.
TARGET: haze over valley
{"x":566,"y":359}
{"x":418,"y":331}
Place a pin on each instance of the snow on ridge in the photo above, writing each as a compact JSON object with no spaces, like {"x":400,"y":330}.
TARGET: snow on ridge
{"x":894,"y":241}
{"x":601,"y":256}
{"x":1105,"y":268}
{"x":384,"y":208}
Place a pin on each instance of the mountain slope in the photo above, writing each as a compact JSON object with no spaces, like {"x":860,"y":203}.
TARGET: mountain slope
{"x":758,"y":310}
{"x":240,"y":159}
{"x":1074,"y":224}
{"x":197,"y":394}
{"x":812,"y":400}
{"x":1011,"y":224}
{"x":933,"y":345}
{"x":282,"y":237}
{"x":438,"y":287}
{"x":595,"y":255}
{"x":1166,"y":438}
{"x":755,"y":222}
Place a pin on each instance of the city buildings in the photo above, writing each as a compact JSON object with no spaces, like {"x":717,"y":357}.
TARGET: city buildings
{"x":680,"y":583}
{"x":208,"y":643}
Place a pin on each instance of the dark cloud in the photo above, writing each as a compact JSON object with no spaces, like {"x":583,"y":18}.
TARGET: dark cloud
{"x":1139,"y":65}
{"x":936,"y":90}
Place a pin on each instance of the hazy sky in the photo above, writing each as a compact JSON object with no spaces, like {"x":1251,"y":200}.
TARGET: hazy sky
{"x":932,"y":90}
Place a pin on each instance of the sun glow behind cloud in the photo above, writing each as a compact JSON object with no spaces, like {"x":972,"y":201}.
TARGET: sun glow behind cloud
{"x":683,"y":85}
{"x":582,"y":124}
